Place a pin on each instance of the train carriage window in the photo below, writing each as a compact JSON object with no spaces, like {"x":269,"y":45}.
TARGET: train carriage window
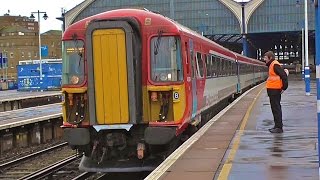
{"x":247,"y":68}
{"x":213,"y":66}
{"x":208,"y":65}
{"x":234,"y":68}
{"x":187,"y":58}
{"x":226,"y":67}
{"x":223,"y":67}
{"x":199,"y":64}
{"x":218,"y":66}
{"x":243,"y":68}
{"x":229,"y":68}
{"x":166,"y":59}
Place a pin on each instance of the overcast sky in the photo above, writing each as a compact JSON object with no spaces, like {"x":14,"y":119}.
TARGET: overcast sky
{"x":52,"y":7}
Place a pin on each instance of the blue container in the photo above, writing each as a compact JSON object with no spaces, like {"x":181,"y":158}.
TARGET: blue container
{"x":29,"y":77}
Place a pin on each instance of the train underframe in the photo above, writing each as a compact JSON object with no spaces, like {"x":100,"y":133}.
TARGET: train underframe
{"x":119,"y":150}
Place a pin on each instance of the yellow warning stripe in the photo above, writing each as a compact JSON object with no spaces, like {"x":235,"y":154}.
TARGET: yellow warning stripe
{"x":228,"y":163}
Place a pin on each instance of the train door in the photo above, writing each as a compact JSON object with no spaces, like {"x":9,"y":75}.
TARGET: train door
{"x":193,"y":79}
{"x":188,"y":83}
{"x":110,"y":76}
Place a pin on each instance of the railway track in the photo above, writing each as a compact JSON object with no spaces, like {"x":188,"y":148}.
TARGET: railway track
{"x":31,"y":163}
{"x":50,"y":170}
{"x":20,"y":152}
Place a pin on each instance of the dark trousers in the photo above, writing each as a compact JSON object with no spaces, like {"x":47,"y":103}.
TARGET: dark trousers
{"x":276,"y":110}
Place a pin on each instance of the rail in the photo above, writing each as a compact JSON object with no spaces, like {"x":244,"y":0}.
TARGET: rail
{"x":19,"y":160}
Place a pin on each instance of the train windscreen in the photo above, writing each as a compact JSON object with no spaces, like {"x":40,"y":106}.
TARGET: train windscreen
{"x":166,"y":60}
{"x":73,"y":62}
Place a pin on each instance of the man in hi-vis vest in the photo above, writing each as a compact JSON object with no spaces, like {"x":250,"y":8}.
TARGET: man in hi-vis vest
{"x":277,"y":83}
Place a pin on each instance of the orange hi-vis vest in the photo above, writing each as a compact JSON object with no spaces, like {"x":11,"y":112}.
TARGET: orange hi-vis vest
{"x":274,"y":81}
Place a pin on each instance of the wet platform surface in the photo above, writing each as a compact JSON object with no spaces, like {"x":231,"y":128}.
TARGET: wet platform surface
{"x":237,"y":145}
{"x":11,"y":95}
{"x":291,"y":155}
{"x":24,"y":116}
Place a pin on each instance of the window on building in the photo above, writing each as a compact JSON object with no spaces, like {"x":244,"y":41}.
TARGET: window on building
{"x":22,"y":54}
{"x":12,"y":44}
{"x":8,"y":43}
{"x":20,"y":33}
{"x":52,"y":44}
{"x":11,"y":55}
{"x":29,"y":54}
{"x":35,"y":54}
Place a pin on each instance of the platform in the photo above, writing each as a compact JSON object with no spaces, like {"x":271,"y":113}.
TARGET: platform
{"x":13,"y":99}
{"x":25,"y":116}
{"x":12,"y":95}
{"x":236,"y":143}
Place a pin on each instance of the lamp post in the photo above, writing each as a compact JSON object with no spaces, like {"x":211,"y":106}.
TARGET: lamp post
{"x":45,"y":17}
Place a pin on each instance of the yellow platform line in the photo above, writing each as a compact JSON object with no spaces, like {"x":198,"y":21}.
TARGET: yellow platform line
{"x":228,"y":164}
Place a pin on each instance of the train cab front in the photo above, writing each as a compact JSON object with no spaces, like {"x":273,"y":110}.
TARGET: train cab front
{"x":103,"y":95}
{"x":166,"y":93}
{"x":74,"y":89}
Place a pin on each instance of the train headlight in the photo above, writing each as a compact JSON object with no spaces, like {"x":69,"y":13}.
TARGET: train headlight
{"x":74,"y":80}
{"x":163,"y":77}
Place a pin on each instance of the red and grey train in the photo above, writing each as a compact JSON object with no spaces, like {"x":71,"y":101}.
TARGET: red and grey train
{"x":135,"y":82}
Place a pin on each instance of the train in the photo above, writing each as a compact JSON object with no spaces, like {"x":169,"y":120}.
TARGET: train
{"x":136,"y":84}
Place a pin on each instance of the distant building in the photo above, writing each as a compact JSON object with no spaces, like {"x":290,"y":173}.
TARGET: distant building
{"x":19,"y":41}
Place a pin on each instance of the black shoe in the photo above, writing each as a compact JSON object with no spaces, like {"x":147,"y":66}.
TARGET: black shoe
{"x":271,"y":129}
{"x":276,"y":130}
